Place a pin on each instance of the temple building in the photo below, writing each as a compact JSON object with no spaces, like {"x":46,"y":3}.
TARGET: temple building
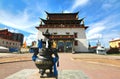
{"x":67,"y":30}
{"x":11,"y":40}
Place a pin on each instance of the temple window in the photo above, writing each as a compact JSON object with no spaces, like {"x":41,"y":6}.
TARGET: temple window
{"x":55,"y":33}
{"x":67,"y":33}
{"x":6,"y":42}
{"x":3,"y":42}
{"x":75,"y":34}
{"x":119,"y":45}
{"x":75,"y":42}
{"x":61,"y":25}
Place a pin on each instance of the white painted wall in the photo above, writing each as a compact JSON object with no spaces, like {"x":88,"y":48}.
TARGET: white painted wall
{"x":82,"y":41}
{"x":9,"y":43}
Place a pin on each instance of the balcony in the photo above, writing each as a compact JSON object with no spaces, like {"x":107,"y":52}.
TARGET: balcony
{"x":65,"y":37}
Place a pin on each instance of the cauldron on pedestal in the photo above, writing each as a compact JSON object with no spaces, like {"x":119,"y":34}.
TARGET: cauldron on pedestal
{"x":45,"y":60}
{"x":43,"y":63}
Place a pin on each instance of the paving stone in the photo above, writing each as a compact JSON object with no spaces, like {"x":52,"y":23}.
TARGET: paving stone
{"x":62,"y":74}
{"x":72,"y":74}
{"x":23,"y":74}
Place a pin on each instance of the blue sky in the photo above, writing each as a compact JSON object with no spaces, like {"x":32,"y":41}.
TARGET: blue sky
{"x":102,"y":16}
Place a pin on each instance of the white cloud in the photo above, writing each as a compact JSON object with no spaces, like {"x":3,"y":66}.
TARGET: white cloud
{"x":24,"y":20}
{"x":78,"y":3}
{"x":103,"y":30}
{"x":95,"y":30}
{"x":102,"y":26}
{"x":75,"y":5}
{"x":66,"y":11}
{"x":110,"y":5}
{"x":95,"y":36}
{"x":13,"y":30}
{"x":19,"y":21}
{"x":30,"y":38}
{"x":106,"y":6}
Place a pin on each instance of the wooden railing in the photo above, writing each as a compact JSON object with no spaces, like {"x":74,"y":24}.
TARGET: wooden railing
{"x":62,"y":37}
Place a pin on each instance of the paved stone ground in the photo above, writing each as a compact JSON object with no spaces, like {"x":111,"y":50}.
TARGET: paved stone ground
{"x":72,"y":74}
{"x":23,"y":74}
{"x":33,"y":74}
{"x":8,"y":58}
{"x":86,"y":64}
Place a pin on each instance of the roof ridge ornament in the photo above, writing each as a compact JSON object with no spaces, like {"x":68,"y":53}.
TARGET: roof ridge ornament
{"x":47,"y":33}
{"x":46,"y":12}
{"x":82,"y":20}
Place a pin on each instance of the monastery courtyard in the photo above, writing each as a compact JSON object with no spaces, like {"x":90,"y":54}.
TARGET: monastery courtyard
{"x":71,"y":66}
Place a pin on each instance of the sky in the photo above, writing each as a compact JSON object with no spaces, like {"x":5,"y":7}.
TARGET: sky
{"x":102,"y":17}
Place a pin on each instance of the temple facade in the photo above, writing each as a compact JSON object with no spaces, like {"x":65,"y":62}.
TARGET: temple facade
{"x":67,"y":30}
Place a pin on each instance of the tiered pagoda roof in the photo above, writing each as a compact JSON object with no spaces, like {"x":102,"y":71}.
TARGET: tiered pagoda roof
{"x":62,"y":20}
{"x":62,"y":16}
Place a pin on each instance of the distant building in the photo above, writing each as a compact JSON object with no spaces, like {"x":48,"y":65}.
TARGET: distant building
{"x":92,"y":49}
{"x":67,"y":30}
{"x":98,"y":49}
{"x":10,"y":40}
{"x":9,"y":43}
{"x":114,"y":43}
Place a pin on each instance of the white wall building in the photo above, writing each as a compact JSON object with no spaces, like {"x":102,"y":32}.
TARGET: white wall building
{"x":9,"y":43}
{"x":67,"y":30}
{"x":11,"y":40}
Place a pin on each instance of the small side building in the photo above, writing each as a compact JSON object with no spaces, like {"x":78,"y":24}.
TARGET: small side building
{"x":98,"y":49}
{"x":114,"y":43}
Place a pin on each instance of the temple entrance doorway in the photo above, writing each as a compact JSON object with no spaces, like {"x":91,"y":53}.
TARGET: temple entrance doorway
{"x":68,"y":46}
{"x":60,"y":46}
{"x":65,"y":46}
